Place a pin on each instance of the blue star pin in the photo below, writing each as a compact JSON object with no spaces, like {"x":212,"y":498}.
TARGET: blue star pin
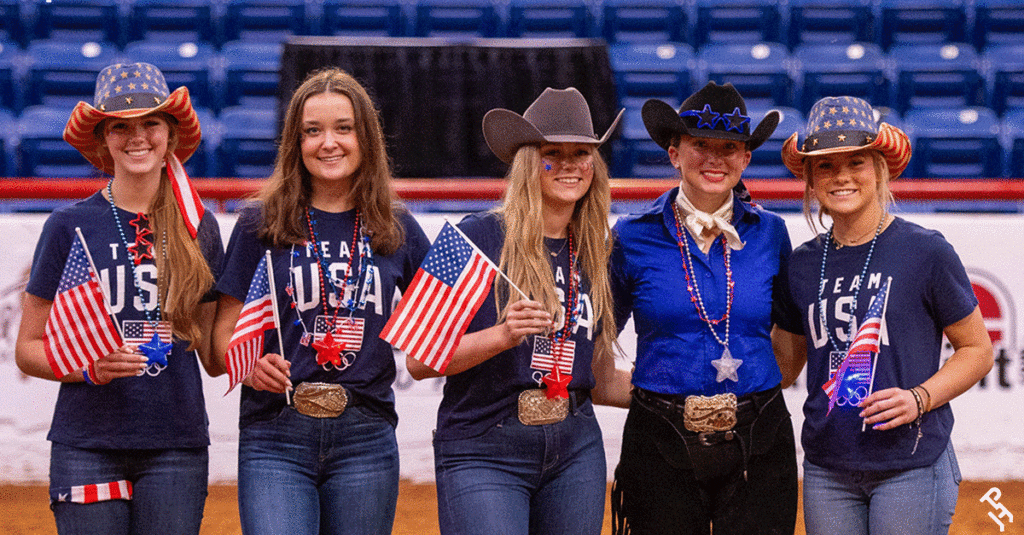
{"x":156,"y":351}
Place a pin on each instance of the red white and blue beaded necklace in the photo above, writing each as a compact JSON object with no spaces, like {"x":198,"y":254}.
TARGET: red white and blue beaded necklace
{"x":558,"y":383}
{"x":155,"y":349}
{"x":330,"y":348}
{"x":726,"y":365}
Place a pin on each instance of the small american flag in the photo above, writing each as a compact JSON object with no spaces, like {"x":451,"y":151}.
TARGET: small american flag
{"x":141,"y":331}
{"x":97,"y":492}
{"x":855,"y":371}
{"x":443,"y":297}
{"x":544,"y":360}
{"x":347,"y":330}
{"x":79,"y":330}
{"x":255,"y":319}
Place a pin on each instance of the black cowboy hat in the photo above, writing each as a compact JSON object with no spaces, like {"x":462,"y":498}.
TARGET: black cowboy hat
{"x":716,"y":111}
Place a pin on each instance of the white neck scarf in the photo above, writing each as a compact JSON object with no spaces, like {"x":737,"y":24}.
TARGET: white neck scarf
{"x":697,"y":221}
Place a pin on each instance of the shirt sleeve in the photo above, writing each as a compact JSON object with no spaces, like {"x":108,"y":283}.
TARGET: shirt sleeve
{"x":622,"y":288}
{"x":416,"y":246}
{"x":785,"y":312}
{"x":951,"y":295}
{"x":242,"y":257}
{"x":212,"y":247}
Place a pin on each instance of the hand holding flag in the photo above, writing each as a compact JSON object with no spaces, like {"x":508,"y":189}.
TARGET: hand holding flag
{"x":856,"y":370}
{"x":259,"y":314}
{"x":79,"y":330}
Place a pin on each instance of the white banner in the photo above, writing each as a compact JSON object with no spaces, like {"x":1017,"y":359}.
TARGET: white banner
{"x":989,"y":417}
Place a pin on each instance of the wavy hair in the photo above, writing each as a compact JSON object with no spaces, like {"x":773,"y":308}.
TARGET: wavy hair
{"x":288,"y":191}
{"x":524,"y":258}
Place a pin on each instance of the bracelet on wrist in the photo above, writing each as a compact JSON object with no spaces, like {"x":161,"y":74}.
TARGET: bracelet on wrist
{"x":928,"y":403}
{"x":85,"y":375}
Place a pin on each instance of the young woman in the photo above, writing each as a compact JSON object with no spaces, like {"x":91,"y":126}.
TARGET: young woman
{"x":134,"y":422}
{"x":317,"y":422}
{"x":517,"y":448}
{"x":877,"y":454}
{"x":708,"y":439}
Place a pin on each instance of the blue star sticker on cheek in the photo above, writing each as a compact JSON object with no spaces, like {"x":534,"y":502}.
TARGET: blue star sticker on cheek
{"x":156,"y":351}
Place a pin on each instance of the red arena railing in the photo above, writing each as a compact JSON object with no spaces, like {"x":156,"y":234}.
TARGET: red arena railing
{"x":623,"y":189}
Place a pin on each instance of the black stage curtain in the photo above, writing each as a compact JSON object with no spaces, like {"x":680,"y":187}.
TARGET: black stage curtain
{"x":433,"y":93}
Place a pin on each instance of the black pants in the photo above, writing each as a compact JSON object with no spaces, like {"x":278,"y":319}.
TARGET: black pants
{"x":670,"y":482}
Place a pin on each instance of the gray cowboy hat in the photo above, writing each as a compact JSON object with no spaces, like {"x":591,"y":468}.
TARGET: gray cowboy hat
{"x":557,"y":116}
{"x":715,"y":111}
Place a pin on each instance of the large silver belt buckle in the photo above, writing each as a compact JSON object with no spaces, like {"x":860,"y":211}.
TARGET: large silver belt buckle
{"x":702,"y":414}
{"x":320,"y":400}
{"x":536,"y":409}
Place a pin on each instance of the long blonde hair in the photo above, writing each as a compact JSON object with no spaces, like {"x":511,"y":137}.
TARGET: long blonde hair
{"x":525,"y":259}
{"x":288,"y":191}
{"x":183,"y":276}
{"x":811,"y":205}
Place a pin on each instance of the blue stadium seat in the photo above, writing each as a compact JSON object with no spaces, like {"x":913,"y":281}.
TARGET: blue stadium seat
{"x":264,"y":20}
{"x":766,"y":161}
{"x":744,"y":21}
{"x":647,"y":70}
{"x":9,"y":89}
{"x":855,"y":69}
{"x":831,"y":21}
{"x":550,"y":18}
{"x":8,"y":139}
{"x":636,"y":155}
{"x":251,"y":73}
{"x":446,"y":18}
{"x":183,"y":64}
{"x":937,"y":75}
{"x":203,"y":160}
{"x":42,"y":151}
{"x":12,"y":27}
{"x":759,"y":71}
{"x":175,"y":21}
{"x":923,"y":21}
{"x":247,"y":142}
{"x":367,"y":18}
{"x":954,"y":142}
{"x":80,"y":20}
{"x":1013,"y":128}
{"x":64,"y":72}
{"x":998,"y":22}
{"x":645,"y":21}
{"x":1006,"y":76}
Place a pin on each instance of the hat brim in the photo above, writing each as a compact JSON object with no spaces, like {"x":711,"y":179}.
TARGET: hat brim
{"x":663,"y":123}
{"x":891,"y":142}
{"x":505,"y":131}
{"x":79,"y":131}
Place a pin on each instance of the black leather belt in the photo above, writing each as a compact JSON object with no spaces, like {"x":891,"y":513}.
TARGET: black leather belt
{"x":747,"y":406}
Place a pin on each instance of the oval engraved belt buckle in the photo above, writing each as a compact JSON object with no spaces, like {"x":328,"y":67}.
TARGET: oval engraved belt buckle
{"x":536,"y":409}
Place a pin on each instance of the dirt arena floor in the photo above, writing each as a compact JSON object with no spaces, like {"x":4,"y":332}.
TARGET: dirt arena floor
{"x":24,"y":510}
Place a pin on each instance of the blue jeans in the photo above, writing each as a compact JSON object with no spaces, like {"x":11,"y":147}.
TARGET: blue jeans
{"x":169,"y":490}
{"x":517,"y":479}
{"x":918,"y":501}
{"x":333,"y":476}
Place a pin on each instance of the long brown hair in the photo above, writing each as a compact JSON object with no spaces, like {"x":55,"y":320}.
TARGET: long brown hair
{"x":524,"y":258}
{"x":183,"y":276}
{"x":287,"y":194}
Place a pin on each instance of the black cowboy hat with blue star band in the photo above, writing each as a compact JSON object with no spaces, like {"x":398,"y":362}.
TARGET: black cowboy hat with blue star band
{"x":716,"y":111}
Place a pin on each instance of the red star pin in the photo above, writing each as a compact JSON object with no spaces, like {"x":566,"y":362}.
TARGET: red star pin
{"x":558,"y":384}
{"x":328,"y":350}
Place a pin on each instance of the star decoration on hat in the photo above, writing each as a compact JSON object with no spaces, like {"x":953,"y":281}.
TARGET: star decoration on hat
{"x":736,"y":120}
{"x":557,"y":384}
{"x":328,"y":350}
{"x":726,"y":367}
{"x":156,"y":351}
{"x":707,"y":118}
